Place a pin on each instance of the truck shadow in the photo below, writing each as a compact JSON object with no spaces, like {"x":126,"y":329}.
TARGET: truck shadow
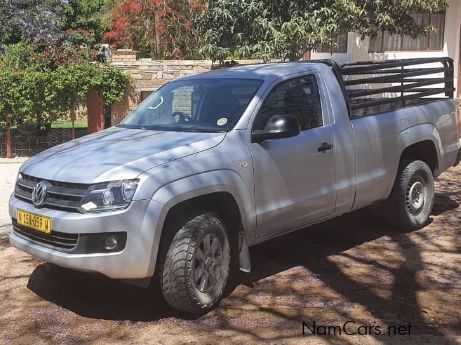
{"x":97,"y":297}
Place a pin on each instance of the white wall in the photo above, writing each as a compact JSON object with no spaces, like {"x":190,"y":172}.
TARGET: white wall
{"x":339,"y":57}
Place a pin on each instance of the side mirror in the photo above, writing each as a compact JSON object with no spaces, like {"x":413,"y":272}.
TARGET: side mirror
{"x":277,"y":127}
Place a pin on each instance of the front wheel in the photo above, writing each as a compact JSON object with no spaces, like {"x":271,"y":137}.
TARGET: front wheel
{"x":196,"y":266}
{"x":412,"y":198}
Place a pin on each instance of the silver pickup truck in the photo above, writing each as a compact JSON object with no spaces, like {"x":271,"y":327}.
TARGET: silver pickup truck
{"x":213,"y":163}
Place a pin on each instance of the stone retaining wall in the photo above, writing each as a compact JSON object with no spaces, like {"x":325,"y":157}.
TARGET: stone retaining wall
{"x":149,"y":75}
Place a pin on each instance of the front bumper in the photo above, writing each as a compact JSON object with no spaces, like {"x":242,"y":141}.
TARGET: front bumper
{"x":135,"y":261}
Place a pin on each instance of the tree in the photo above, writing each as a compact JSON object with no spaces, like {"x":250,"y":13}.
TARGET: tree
{"x":54,"y":25}
{"x":86,"y":21}
{"x":8,"y":102}
{"x":32,"y":20}
{"x":159,"y":28}
{"x":44,"y":65}
{"x":29,"y":55}
{"x":287,"y":29}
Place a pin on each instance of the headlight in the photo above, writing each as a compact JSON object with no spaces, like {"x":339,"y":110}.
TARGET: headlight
{"x":109,"y":195}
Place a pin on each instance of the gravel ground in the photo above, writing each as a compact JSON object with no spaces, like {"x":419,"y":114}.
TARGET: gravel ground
{"x":354,"y":268}
{"x":8,"y":171}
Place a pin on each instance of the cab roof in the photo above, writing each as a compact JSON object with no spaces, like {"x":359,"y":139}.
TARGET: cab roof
{"x":266,"y":71}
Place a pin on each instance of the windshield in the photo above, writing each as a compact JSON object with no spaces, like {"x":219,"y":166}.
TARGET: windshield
{"x":208,"y":105}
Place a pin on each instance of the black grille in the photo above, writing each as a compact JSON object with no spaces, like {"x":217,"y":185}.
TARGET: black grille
{"x":56,"y":239}
{"x":60,"y":195}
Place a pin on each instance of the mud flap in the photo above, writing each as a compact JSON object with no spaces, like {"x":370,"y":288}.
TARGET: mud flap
{"x":142,"y":282}
{"x":244,"y":254}
{"x":458,"y":158}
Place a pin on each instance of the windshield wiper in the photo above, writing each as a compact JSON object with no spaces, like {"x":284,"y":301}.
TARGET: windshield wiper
{"x":131,"y":126}
{"x":202,"y":130}
{"x":174,"y":129}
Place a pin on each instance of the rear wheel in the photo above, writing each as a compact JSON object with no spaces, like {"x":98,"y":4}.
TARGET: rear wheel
{"x":196,"y":266}
{"x":412,"y":198}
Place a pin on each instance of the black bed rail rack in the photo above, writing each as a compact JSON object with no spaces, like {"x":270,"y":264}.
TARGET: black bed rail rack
{"x":374,"y":87}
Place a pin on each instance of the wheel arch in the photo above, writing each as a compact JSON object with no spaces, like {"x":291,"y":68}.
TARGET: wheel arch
{"x":425,"y":151}
{"x":220,"y":192}
{"x":420,"y":142}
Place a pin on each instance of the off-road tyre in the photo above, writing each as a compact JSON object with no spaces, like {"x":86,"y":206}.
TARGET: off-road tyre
{"x":178,"y":266}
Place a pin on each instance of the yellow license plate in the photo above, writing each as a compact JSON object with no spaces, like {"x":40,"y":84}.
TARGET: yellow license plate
{"x":34,"y":221}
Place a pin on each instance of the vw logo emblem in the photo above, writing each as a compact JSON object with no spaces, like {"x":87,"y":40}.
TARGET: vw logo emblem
{"x":39,"y":193}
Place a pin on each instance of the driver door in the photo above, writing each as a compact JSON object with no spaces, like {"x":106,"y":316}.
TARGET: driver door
{"x":294,"y":177}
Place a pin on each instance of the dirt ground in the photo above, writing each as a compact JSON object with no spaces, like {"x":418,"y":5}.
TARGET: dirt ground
{"x":352,"y":269}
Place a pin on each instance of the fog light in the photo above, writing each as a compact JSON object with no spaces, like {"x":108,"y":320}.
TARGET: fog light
{"x":110,"y":243}
{"x":101,"y":242}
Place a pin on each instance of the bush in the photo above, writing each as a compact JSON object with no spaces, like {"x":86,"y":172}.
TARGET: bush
{"x":31,"y":99}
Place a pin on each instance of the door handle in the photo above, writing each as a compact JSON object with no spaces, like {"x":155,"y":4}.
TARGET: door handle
{"x":325,"y":147}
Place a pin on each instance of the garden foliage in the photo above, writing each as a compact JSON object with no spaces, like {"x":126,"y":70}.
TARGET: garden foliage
{"x":31,"y":99}
{"x":47,"y":53}
{"x":156,"y":28}
{"x":46,"y":46}
{"x":287,"y":29}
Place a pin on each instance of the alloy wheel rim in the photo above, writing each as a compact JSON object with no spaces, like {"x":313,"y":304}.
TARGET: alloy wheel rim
{"x":208,"y":263}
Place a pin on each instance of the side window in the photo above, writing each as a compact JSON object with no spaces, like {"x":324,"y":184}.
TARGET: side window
{"x":298,"y":97}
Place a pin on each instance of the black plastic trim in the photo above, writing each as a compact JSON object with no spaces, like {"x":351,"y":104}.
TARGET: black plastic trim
{"x":86,"y":243}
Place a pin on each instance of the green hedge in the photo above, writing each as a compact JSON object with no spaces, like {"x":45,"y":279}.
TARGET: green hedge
{"x":30,"y":100}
